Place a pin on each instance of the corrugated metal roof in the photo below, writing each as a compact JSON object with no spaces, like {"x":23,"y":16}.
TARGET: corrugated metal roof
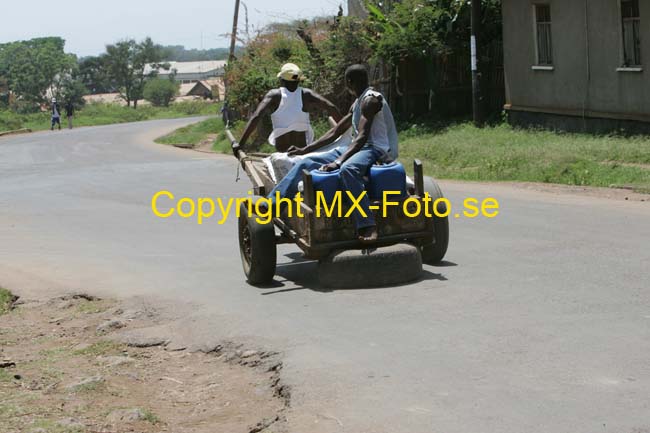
{"x":192,"y":67}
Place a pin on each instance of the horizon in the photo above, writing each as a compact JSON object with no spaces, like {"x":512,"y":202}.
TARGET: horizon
{"x":90,"y":32}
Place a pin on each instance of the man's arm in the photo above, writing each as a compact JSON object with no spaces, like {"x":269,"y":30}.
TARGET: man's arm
{"x":370,"y":106}
{"x":328,"y":138}
{"x":316,"y":102}
{"x":270,"y":100}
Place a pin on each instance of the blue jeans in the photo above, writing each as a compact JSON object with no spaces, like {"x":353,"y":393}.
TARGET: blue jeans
{"x":288,"y":186}
{"x":350,"y":176}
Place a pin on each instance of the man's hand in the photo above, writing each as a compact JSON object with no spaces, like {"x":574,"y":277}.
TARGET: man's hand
{"x":330,"y":167}
{"x":235,"y":149}
{"x":295,"y":151}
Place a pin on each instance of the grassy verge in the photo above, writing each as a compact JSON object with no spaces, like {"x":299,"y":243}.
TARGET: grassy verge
{"x":104,"y":114}
{"x":193,"y":134}
{"x":503,"y":153}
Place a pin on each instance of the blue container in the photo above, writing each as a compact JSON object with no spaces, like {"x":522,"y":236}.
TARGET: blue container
{"x":328,"y":182}
{"x":387,"y":177}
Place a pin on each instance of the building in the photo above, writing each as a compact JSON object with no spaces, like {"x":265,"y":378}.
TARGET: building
{"x":212,"y":89}
{"x":191,"y":72}
{"x":578,"y":65}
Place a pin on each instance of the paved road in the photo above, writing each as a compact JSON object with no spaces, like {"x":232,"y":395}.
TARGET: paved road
{"x":538,"y":322}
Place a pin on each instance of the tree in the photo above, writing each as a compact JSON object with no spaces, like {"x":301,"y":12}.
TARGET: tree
{"x":160,"y":92}
{"x":130,"y":64}
{"x":4,"y":92}
{"x":32,"y":67}
{"x":93,"y":73}
{"x":73,"y":90}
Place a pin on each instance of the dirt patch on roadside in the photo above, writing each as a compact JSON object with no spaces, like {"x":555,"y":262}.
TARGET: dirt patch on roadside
{"x":63,"y":370}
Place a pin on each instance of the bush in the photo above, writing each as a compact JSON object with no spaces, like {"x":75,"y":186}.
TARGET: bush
{"x":160,"y":92}
{"x":254,"y":72}
{"x":10,"y":121}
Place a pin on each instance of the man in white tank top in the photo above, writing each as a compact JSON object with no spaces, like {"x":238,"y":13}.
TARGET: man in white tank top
{"x":289,"y":107}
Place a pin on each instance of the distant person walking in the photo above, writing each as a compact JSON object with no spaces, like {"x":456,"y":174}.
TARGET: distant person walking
{"x":56,"y":114}
{"x":69,"y":112}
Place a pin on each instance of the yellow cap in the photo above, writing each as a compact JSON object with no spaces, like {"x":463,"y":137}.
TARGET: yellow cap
{"x":290,"y":72}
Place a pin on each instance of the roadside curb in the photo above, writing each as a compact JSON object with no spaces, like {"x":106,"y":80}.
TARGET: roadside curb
{"x":15,"y":131}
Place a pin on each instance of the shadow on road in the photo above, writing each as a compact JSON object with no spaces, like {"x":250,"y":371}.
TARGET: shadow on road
{"x":303,"y":273}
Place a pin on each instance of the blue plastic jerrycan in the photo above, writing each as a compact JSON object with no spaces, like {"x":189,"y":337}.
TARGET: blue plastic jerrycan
{"x":386,"y":177}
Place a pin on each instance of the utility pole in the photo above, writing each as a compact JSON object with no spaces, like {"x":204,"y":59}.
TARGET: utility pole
{"x":233,"y":36}
{"x":476,"y":75}
{"x":233,"y":40}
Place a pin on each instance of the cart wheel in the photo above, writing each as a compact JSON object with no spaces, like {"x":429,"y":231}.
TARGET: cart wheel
{"x":434,"y":252}
{"x":257,"y":248}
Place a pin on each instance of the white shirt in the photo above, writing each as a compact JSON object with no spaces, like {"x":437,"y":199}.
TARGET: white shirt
{"x":289,"y":116}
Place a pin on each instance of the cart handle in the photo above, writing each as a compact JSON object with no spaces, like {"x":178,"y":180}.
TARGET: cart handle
{"x":230,"y":137}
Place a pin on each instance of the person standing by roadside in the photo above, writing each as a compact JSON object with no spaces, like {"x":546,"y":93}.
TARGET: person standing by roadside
{"x":69,"y":112}
{"x":56,"y":114}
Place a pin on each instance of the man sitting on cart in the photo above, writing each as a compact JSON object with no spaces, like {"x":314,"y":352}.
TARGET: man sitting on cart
{"x":289,"y":106}
{"x":374,"y":139}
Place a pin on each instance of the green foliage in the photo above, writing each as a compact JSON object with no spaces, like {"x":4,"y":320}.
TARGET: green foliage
{"x":344,"y":44}
{"x":10,"y":121}
{"x":31,"y":67}
{"x":411,"y":29}
{"x":160,"y":92}
{"x":72,"y":90}
{"x":93,"y":73}
{"x":334,"y":46}
{"x":254,"y":72}
{"x":6,"y":299}
{"x":126,"y":65}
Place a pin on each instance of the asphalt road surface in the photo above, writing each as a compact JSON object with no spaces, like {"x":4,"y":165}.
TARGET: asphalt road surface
{"x":539,"y":321}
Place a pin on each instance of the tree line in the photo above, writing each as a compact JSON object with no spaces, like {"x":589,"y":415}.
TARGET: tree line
{"x":32,"y":71}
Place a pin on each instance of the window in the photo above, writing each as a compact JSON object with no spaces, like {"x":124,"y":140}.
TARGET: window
{"x":543,"y":35}
{"x":631,"y":36}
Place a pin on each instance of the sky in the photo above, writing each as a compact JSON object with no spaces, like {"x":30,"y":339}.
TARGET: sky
{"x":88,"y":25}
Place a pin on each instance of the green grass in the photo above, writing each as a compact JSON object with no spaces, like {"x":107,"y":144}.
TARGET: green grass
{"x":503,"y":153}
{"x":104,"y":114}
{"x":6,"y":298}
{"x":193,"y":134}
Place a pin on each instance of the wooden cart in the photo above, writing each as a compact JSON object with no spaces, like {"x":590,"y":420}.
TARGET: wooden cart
{"x":318,"y":237}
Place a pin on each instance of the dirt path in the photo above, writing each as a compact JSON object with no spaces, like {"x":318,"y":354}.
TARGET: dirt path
{"x":73,"y":364}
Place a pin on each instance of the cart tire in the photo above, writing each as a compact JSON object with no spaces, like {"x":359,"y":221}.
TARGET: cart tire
{"x":434,"y":252}
{"x":386,"y":266}
{"x":257,"y":248}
